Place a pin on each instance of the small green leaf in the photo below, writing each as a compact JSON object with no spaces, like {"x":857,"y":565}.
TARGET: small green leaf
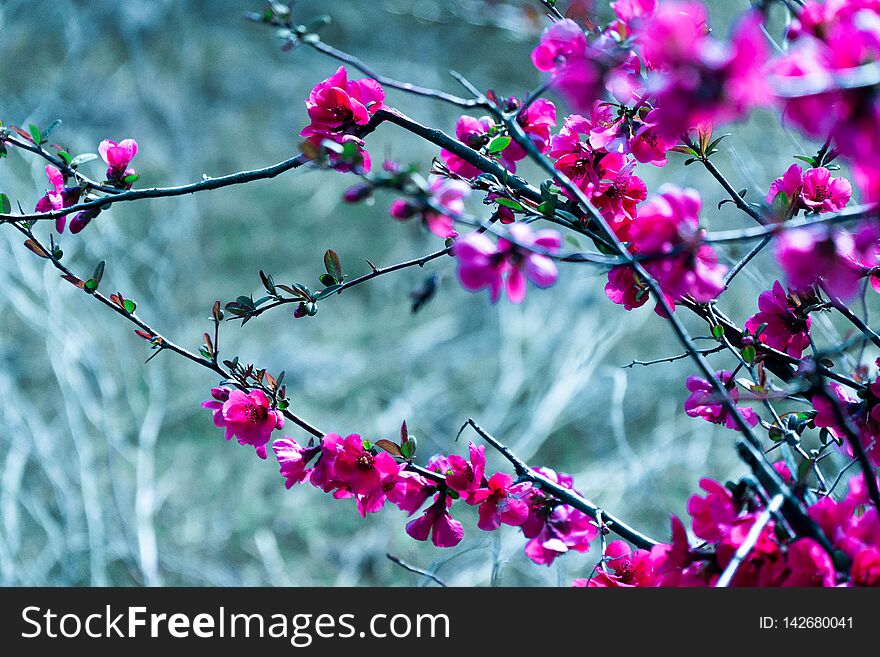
{"x":5,"y":204}
{"x":499,"y":144}
{"x":129,"y":305}
{"x":367,"y":445}
{"x":718,"y":331}
{"x":749,"y":353}
{"x":327,"y":280}
{"x":65,"y":157}
{"x":90,"y":286}
{"x":508,"y":203}
{"x":99,"y":273}
{"x":35,"y":134}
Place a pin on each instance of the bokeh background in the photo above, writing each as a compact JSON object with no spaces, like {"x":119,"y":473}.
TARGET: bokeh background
{"x":110,"y":473}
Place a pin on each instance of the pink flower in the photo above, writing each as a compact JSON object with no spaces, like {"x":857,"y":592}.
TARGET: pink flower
{"x":815,"y":190}
{"x":562,"y":42}
{"x":247,"y":416}
{"x":564,"y":528}
{"x":336,"y":104}
{"x":822,"y":193}
{"x":360,"y":470}
{"x":787,"y":328}
{"x":499,"y":502}
{"x":118,"y":157}
{"x":436,"y":522}
{"x":625,"y":289}
{"x":447,"y":193}
{"x":863,"y":412}
{"x":669,"y":223}
{"x":695,"y":78}
{"x":809,"y":565}
{"x":337,"y":108}
{"x":817,"y":255}
{"x":628,"y":568}
{"x":464,"y":475}
{"x":705,"y":402}
{"x":714,"y":515}
{"x":472,"y":133}
{"x":536,"y":121}
{"x":294,"y":459}
{"x":57,"y":198}
{"x":507,"y":265}
{"x":866,"y":568}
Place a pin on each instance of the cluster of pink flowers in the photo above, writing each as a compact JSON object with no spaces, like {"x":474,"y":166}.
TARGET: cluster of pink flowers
{"x":116,"y":156}
{"x":480,"y":134}
{"x":667,"y":231}
{"x":862,"y":412}
{"x":507,"y":264}
{"x":815,"y":190}
{"x":832,"y":41}
{"x":338,"y":107}
{"x":722,"y":521}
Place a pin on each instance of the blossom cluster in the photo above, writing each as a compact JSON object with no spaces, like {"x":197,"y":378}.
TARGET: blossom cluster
{"x":722,"y":520}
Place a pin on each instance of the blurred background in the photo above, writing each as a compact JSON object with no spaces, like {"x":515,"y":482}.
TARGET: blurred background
{"x":111,"y":474}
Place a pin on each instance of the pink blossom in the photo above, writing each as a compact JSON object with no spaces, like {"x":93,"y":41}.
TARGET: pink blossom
{"x":507,"y":265}
{"x":669,"y":224}
{"x":706,"y":403}
{"x":816,"y":190}
{"x":624,"y":287}
{"x":536,"y":121}
{"x":57,"y":198}
{"x":625,"y":568}
{"x":500,"y":502}
{"x":463,"y":475}
{"x":818,"y":255}
{"x":294,"y":459}
{"x":864,"y":414}
{"x":360,"y":470}
{"x":866,"y":568}
{"x":695,"y":78}
{"x":436,"y":522}
{"x":809,"y":565}
{"x":787,"y":327}
{"x":562,"y":42}
{"x":564,"y":529}
{"x":473,"y":133}
{"x":246,"y":416}
{"x":823,"y":193}
{"x":118,"y":157}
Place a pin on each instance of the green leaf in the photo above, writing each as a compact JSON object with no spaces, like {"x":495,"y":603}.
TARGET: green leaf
{"x":5,"y":204}
{"x":131,"y":178}
{"x":327,"y":291}
{"x":332,"y":265}
{"x":99,"y":273}
{"x":749,"y":353}
{"x":499,"y":144}
{"x":367,"y":445}
{"x":389,"y":447}
{"x":718,"y":331}
{"x":129,"y":305}
{"x":51,"y":128}
{"x":35,"y":134}
{"x":804,"y":158}
{"x":90,"y":286}
{"x":327,"y":280}
{"x":65,"y":157}
{"x":508,"y":203}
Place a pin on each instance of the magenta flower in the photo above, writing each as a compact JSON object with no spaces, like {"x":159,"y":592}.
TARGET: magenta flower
{"x":715,"y":515}
{"x":627,"y":568}
{"x":337,"y":104}
{"x":536,"y":121}
{"x":863,"y":413}
{"x":472,"y":133}
{"x":294,"y":459}
{"x":694,"y":78}
{"x":500,"y":502}
{"x":787,"y":328}
{"x":361,"y":470}
{"x":705,"y":402}
{"x":562,"y":42}
{"x":447,"y":193}
{"x":246,"y":416}
{"x":118,"y":157}
{"x":463,"y":475}
{"x":57,"y":198}
{"x":410,"y":491}
{"x":815,"y":190}
{"x":507,"y":265}
{"x":669,"y":223}
{"x":436,"y":522}
{"x":866,"y":568}
{"x":822,"y":193}
{"x":625,"y":289}
{"x":817,"y":255}
{"x":809,"y":565}
{"x":564,"y":529}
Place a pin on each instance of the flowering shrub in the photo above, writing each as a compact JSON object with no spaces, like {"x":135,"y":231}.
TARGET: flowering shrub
{"x":645,"y":92}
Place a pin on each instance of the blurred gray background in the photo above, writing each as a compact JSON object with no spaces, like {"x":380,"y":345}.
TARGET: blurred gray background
{"x":110,"y":473}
